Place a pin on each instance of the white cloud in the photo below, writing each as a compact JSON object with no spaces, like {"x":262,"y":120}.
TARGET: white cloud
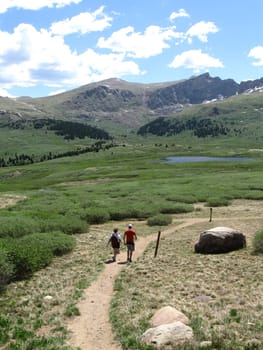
{"x":139,"y":45}
{"x":29,"y":57}
{"x":57,"y":92}
{"x":195,"y":60}
{"x":83,"y":23}
{"x":5,"y":5}
{"x":257,"y":54}
{"x":102,"y":66}
{"x":5,"y":93}
{"x":201,"y":30}
{"x":180,"y":13}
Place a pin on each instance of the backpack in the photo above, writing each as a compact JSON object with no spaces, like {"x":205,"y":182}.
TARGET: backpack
{"x":115,"y":242}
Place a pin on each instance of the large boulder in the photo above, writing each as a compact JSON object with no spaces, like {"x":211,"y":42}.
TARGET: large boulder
{"x":171,"y":334}
{"x":220,"y":240}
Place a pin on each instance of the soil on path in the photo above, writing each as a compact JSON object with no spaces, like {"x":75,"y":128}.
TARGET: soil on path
{"x":92,"y":330}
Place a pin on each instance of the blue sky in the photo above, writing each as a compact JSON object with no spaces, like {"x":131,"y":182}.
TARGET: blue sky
{"x":50,"y":46}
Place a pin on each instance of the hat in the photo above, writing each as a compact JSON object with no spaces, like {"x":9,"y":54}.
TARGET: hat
{"x":130,"y":225}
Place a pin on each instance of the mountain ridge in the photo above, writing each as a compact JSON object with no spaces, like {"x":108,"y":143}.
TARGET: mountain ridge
{"x":118,"y":103}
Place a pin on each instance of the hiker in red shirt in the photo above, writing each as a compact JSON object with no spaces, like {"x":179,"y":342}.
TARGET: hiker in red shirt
{"x":129,"y":238}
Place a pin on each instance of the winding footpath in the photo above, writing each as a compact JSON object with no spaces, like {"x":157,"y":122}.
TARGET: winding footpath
{"x":92,"y":330}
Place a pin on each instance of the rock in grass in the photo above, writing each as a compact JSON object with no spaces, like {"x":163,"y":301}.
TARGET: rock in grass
{"x":220,"y":240}
{"x":48,"y":298}
{"x":168,"y":314}
{"x":171,"y":334}
{"x":206,"y":344}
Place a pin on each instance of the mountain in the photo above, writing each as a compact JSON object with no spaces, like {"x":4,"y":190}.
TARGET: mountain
{"x":238,"y":116}
{"x":118,"y":105}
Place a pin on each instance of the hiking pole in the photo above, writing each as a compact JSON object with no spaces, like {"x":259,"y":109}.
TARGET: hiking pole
{"x":157,"y":243}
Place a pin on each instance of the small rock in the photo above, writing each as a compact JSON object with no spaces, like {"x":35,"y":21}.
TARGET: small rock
{"x":203,"y":298}
{"x":48,"y":298}
{"x":205,"y":344}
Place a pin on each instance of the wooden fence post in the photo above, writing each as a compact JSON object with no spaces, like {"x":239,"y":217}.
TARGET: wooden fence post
{"x":157,"y":244}
{"x":211,"y":212}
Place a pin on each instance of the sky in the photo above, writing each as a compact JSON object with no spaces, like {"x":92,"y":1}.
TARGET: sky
{"x":51,"y":46}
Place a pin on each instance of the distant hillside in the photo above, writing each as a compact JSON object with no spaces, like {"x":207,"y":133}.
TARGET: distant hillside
{"x":117,"y":106}
{"x":240,"y":115}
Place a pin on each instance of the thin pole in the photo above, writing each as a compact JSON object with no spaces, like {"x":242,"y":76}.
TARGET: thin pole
{"x":211,"y":212}
{"x":157,"y":244}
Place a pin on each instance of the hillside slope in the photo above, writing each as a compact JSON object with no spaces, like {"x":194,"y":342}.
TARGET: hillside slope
{"x":240,"y":115}
{"x":117,"y":105}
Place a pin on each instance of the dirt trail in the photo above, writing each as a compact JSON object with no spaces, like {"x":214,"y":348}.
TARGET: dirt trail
{"x":92,"y":330}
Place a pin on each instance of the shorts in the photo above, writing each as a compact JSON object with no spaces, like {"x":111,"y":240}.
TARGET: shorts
{"x":131,"y":246}
{"x":116,"y":250}
{"x":116,"y":245}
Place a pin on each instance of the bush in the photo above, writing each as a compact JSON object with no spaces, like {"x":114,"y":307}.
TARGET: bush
{"x":17,"y":226}
{"x":258,"y":242}
{"x":67,"y":224}
{"x":60,"y":243}
{"x":140,"y":211}
{"x":119,"y":213}
{"x":217,"y":202}
{"x":6,"y":267}
{"x":182,"y":199}
{"x":28,"y":256}
{"x":177,"y":208}
{"x":160,"y":220}
{"x":33,"y":252}
{"x":96,"y":215}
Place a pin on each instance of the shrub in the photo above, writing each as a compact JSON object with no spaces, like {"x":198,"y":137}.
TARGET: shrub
{"x":177,"y":208}
{"x":254,"y":195}
{"x":67,"y":224}
{"x":258,"y":242}
{"x":73,"y":224}
{"x":182,"y":199}
{"x":16,"y":226}
{"x":139,"y":211}
{"x":119,"y":213}
{"x":217,"y":202}
{"x":33,"y":252}
{"x":27,"y":255}
{"x":142,"y":211}
{"x":59,"y":242}
{"x":96,"y":215}
{"x":160,"y":220}
{"x":6,"y":267}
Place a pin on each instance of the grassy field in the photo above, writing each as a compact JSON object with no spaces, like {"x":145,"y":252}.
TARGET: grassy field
{"x":36,"y":142}
{"x":221,"y":294}
{"x":132,"y":181}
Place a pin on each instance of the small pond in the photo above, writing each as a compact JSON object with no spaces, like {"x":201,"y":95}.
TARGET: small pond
{"x":195,"y":159}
